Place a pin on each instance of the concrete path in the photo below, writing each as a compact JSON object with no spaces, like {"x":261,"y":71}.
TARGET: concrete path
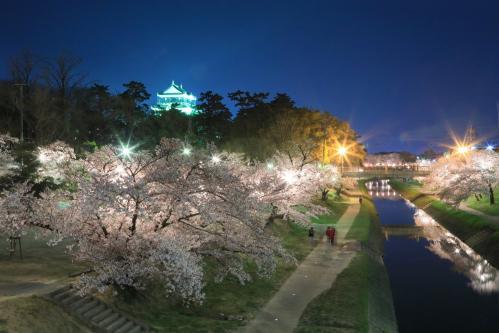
{"x":490,"y":218}
{"x":313,"y":276}
{"x":25,"y":289}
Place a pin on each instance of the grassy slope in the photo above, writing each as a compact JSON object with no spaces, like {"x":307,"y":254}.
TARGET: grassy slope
{"x":228,"y":298}
{"x":342,"y":308}
{"x":460,"y":223}
{"x":360,"y":298}
{"x":41,"y":264}
{"x":483,"y":205}
{"x":36,"y":315}
{"x":366,"y":226}
{"x":337,"y":208}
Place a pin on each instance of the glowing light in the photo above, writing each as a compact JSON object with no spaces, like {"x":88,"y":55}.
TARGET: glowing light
{"x":186,"y":151}
{"x":289,"y":177}
{"x":43,"y":158}
{"x":270,"y":166}
{"x":462,"y":149}
{"x":342,"y":150}
{"x":126,"y":151}
{"x":490,"y":147}
{"x":215,"y":159}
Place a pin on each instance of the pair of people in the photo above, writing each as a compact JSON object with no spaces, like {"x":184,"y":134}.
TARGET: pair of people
{"x":330,"y":233}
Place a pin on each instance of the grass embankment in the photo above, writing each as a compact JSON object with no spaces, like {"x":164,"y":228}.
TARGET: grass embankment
{"x":225,"y":303}
{"x":336,"y":205}
{"x":36,"y":315}
{"x":484,"y":205}
{"x":360,"y":299}
{"x":462,"y":224}
{"x":42,"y":265}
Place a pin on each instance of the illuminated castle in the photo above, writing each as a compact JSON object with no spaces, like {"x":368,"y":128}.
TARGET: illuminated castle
{"x":176,"y":97}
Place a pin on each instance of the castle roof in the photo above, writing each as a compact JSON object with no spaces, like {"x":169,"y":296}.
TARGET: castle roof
{"x":175,"y":89}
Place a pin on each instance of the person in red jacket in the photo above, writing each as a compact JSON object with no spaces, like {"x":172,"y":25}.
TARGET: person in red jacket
{"x":330,"y":234}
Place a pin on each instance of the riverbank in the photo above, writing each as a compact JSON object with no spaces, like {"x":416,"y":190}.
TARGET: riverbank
{"x":360,"y":299}
{"x":478,"y":233}
{"x":483,"y":205}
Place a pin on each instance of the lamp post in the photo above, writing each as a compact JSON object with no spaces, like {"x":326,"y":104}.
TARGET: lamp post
{"x":126,"y":151}
{"x":342,"y":151}
{"x":462,"y":149}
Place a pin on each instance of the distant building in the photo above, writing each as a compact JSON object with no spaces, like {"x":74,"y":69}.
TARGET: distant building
{"x":175,"y":97}
{"x":398,"y":160}
{"x":383,"y":159}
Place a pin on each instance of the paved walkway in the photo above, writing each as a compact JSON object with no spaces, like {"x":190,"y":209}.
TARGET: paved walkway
{"x":490,"y":218}
{"x":9,"y":291}
{"x":313,"y":276}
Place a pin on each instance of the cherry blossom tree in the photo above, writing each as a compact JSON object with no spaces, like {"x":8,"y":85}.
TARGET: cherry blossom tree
{"x":159,"y":214}
{"x":152,"y":215}
{"x":288,"y":181}
{"x":455,"y":177}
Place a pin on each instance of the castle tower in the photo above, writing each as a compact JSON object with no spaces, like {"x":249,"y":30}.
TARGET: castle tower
{"x":175,"y":96}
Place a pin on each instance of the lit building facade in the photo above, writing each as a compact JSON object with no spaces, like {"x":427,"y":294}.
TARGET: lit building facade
{"x":175,"y":96}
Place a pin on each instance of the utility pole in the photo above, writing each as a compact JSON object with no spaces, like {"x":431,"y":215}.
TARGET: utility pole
{"x":21,"y":108}
{"x":20,"y":105}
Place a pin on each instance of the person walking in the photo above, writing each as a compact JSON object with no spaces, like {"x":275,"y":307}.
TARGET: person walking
{"x":330,"y":234}
{"x":311,"y":233}
{"x":360,"y":200}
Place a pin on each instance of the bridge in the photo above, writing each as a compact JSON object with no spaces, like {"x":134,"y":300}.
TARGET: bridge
{"x":406,"y":230}
{"x":385,"y":173}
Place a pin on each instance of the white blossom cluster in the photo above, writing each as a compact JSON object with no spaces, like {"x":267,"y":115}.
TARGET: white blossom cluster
{"x":52,"y":159}
{"x":7,"y":163}
{"x":455,"y":177}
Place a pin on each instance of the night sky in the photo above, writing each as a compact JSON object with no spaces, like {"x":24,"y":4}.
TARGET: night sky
{"x":403,"y":72}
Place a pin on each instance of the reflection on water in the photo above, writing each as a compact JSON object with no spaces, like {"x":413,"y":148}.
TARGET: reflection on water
{"x":439,"y":284}
{"x":483,"y":277}
{"x":381,"y":188}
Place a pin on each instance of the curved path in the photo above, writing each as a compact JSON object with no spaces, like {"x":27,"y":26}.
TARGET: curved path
{"x":314,"y":275}
{"x":490,"y":218}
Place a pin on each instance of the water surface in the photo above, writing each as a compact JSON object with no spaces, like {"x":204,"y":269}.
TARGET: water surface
{"x":438,"y":283}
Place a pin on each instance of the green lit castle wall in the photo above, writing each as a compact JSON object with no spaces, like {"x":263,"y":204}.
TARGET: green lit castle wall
{"x":176,"y":96}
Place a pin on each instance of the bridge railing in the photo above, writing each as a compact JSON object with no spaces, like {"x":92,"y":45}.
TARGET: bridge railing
{"x":385,"y":172}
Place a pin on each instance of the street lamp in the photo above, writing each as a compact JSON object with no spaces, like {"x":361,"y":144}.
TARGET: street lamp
{"x":215,"y":159}
{"x":186,"y":151}
{"x":342,"y":151}
{"x":126,"y":151}
{"x":490,"y":147}
{"x":462,"y":149}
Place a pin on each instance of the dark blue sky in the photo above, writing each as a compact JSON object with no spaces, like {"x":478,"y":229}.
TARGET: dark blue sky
{"x":403,"y":72}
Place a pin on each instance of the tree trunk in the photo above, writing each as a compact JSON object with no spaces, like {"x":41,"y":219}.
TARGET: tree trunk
{"x":338,"y":191}
{"x":491,"y":195}
{"x":324,"y":194}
